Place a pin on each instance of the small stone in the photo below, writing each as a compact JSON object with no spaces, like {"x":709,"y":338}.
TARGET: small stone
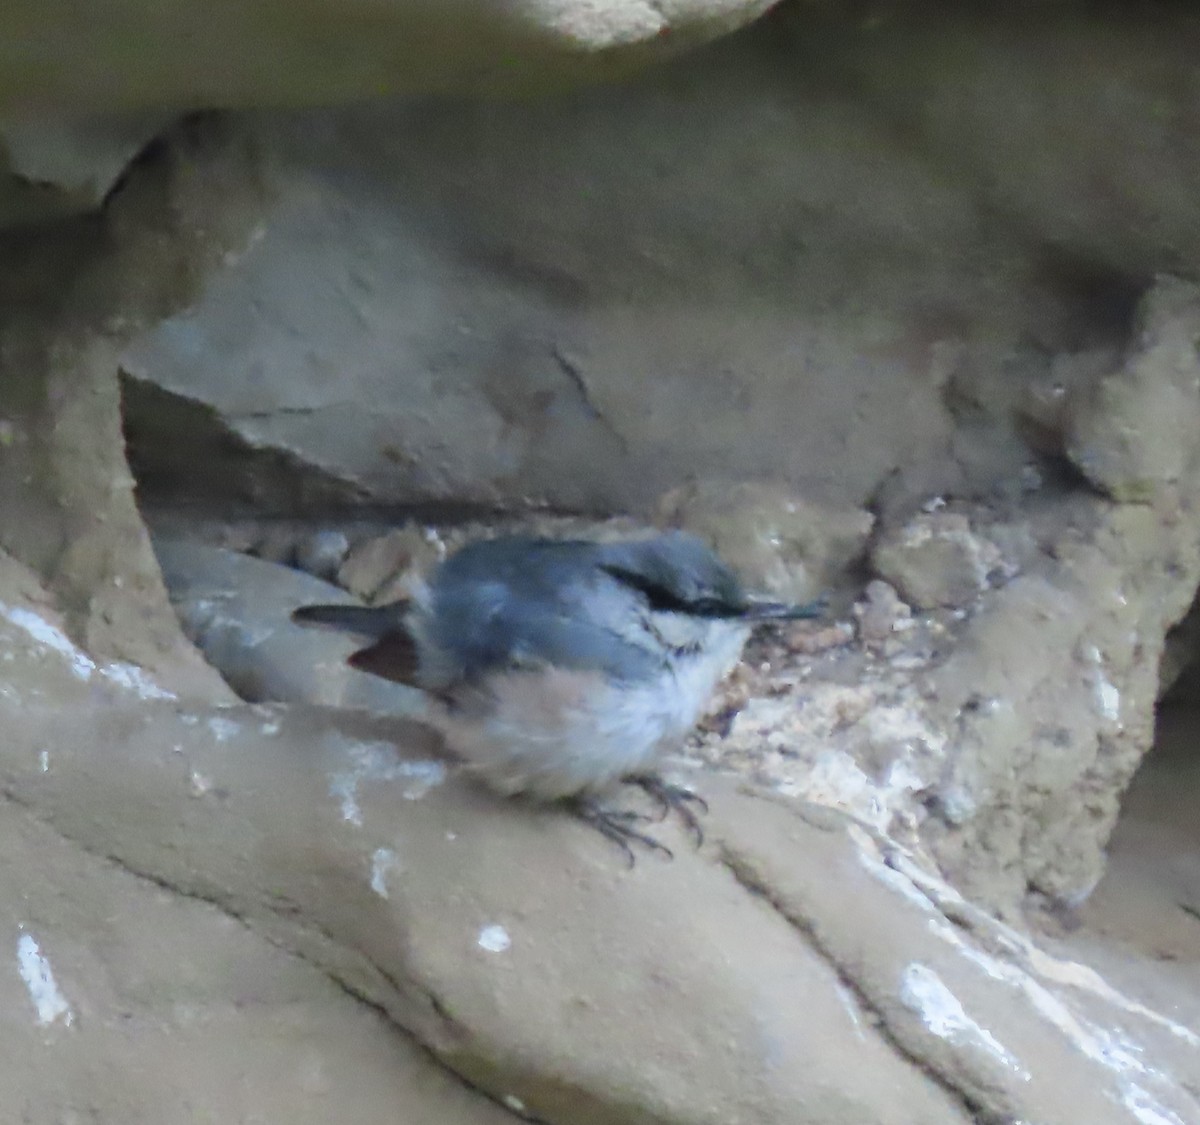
{"x":809,"y":640}
{"x":936,"y":560}
{"x":881,"y":614}
{"x":277,"y":545}
{"x":777,"y":541}
{"x":1137,"y":429}
{"x":1030,"y":479}
{"x":242,"y":536}
{"x":375,"y":563}
{"x":322,"y":552}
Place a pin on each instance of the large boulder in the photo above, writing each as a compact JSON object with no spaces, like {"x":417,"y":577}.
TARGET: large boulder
{"x":793,"y":255}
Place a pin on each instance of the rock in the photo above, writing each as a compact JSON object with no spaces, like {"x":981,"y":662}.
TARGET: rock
{"x":236,"y":610}
{"x":330,"y":836}
{"x":58,"y":167}
{"x":812,"y":638}
{"x":187,"y":59}
{"x":959,"y":731}
{"x":1032,"y":109}
{"x":881,"y":614}
{"x":504,"y":340}
{"x":1049,"y":394}
{"x":322,"y":552}
{"x":1179,"y":666}
{"x":758,"y":303}
{"x":776,"y":540}
{"x":67,"y":507}
{"x":125,"y":1002}
{"x":382,"y":568}
{"x":276,"y":543}
{"x":1137,"y":430}
{"x":1058,"y":675}
{"x":242,"y":536}
{"x":935,"y":560}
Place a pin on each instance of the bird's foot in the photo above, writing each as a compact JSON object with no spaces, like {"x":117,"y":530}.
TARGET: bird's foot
{"x":675,"y":798}
{"x":617,"y":825}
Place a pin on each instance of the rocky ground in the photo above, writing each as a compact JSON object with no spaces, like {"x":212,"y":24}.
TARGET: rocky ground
{"x":302,"y":846}
{"x":1140,"y":926}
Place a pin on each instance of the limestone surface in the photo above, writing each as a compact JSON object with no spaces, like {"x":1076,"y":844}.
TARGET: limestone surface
{"x":798,"y":967}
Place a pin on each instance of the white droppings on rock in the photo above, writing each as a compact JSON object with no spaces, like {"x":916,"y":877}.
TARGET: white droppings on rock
{"x":39,"y":979}
{"x":383,"y":860}
{"x":127,"y":676}
{"x":494,"y":939}
{"x":835,"y":779}
{"x":223,"y":729}
{"x":1146,"y":1109}
{"x":1097,"y":1044}
{"x":902,"y":778}
{"x":50,"y":636}
{"x":44,"y":761}
{"x":1108,"y":1047}
{"x":379,"y":761}
{"x":851,"y":1005}
{"x":133,"y":678}
{"x":344,"y":786}
{"x":922,"y":991}
{"x":871,"y":859}
{"x":1085,"y":978}
{"x":1108,"y":698}
{"x":422,"y":776}
{"x":956,"y":804}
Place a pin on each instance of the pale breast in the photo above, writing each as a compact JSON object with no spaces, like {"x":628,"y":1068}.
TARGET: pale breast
{"x":553,"y":733}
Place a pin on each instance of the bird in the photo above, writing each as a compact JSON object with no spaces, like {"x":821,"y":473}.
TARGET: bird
{"x":560,"y":668}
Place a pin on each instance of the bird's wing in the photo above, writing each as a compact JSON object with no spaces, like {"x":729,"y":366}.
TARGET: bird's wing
{"x":493,"y":626}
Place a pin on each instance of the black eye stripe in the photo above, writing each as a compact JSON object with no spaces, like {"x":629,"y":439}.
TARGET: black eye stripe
{"x":664,"y":600}
{"x":656,"y":594}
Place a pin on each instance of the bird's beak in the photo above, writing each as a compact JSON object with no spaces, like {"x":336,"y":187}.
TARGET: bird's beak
{"x":761,"y":610}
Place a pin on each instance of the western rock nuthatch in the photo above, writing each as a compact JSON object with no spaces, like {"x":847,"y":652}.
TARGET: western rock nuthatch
{"x":558,"y":668}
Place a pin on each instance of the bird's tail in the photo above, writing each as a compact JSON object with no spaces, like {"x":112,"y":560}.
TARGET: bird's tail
{"x":366,"y":621}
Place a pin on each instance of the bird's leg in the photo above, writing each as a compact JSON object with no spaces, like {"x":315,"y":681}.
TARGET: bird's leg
{"x":677,"y":798}
{"x":617,"y":826}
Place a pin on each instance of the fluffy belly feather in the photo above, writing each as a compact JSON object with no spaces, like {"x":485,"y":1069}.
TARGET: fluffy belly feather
{"x":556,"y":733}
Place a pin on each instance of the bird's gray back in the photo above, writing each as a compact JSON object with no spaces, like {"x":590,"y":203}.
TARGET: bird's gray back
{"x":523,"y":601}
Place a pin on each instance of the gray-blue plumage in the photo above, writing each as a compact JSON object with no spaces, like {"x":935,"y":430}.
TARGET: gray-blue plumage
{"x":521,"y":601}
{"x":564,"y":665}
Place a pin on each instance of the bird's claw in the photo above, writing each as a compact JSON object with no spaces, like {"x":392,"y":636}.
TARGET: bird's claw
{"x":677,"y":798}
{"x":617,"y":826}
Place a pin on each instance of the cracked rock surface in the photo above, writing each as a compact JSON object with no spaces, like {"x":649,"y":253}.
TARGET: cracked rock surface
{"x":744,"y":982}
